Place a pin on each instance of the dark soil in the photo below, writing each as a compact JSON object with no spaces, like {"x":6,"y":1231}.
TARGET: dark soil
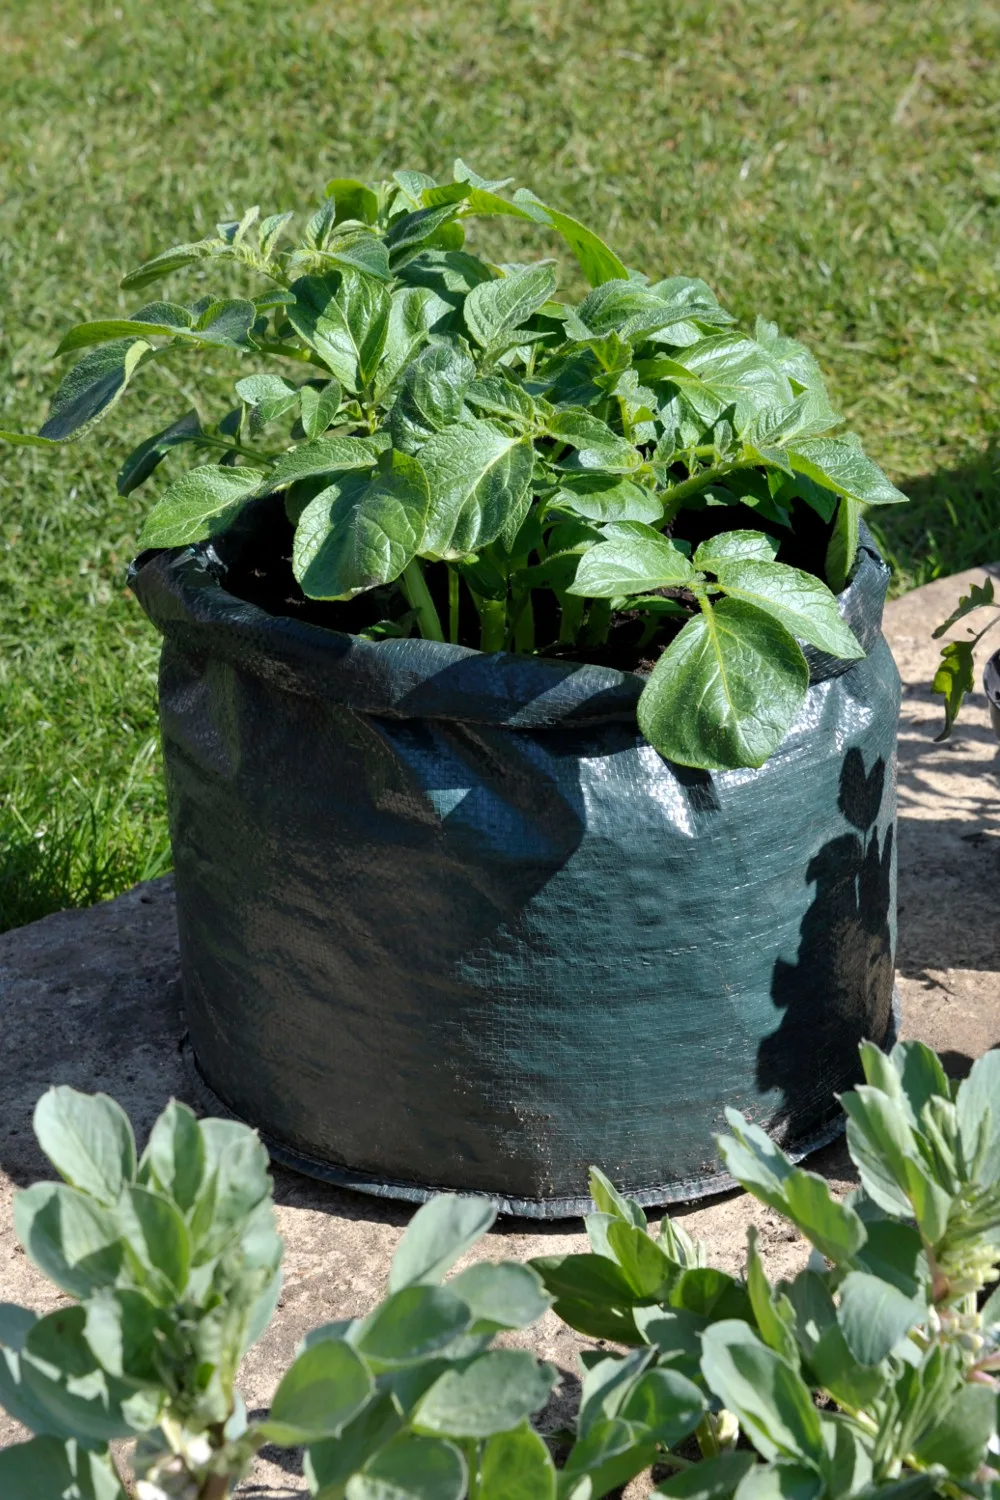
{"x":256,"y":564}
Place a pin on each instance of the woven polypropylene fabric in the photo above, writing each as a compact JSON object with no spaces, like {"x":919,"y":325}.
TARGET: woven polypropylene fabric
{"x":447,"y":921}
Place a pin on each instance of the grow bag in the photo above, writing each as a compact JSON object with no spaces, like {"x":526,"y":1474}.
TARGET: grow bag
{"x":447,"y":921}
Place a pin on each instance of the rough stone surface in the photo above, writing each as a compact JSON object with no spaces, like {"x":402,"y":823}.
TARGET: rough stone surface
{"x":90,"y":998}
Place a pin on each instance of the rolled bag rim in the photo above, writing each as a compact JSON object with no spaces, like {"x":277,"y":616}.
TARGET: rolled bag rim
{"x":182,"y":592}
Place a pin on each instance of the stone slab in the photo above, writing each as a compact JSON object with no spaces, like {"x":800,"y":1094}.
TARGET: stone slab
{"x":90,"y":998}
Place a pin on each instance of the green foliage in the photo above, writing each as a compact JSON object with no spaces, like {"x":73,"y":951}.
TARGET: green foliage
{"x":954,"y":677}
{"x":869,"y":1374}
{"x":497,"y":411}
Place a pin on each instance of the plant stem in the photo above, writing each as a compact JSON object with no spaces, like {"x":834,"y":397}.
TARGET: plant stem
{"x":524,"y":625}
{"x":707,"y":1440}
{"x":418,"y":594}
{"x":453,"y":587}
{"x":493,"y":613}
{"x":698,"y":482}
{"x":595,"y":632}
{"x":572,"y":618}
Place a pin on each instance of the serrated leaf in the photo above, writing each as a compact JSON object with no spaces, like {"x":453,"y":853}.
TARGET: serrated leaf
{"x":493,"y":1393}
{"x":93,"y":388}
{"x":497,"y":396}
{"x":726,"y":690}
{"x":410,"y":318}
{"x":199,"y":504}
{"x":842,"y":548}
{"x":597,"y":261}
{"x":319,"y":406}
{"x":353,"y":199}
{"x":362,"y":531}
{"x":729,"y":371}
{"x":88,"y":1139}
{"x":799,"y":600}
{"x":597,"y":447}
{"x":431,"y":395}
{"x":270,"y":230}
{"x":979,"y":595}
{"x":362,"y":252}
{"x":494,"y":309}
{"x":86,"y":334}
{"x":479,"y":478}
{"x":607,"y":497}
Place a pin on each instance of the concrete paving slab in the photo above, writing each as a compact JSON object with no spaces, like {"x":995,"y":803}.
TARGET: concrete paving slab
{"x":91,"y":998}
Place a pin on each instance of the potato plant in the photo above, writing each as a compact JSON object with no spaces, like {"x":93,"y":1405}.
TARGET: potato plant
{"x":500,"y":465}
{"x":955,"y":676}
{"x":871,"y":1373}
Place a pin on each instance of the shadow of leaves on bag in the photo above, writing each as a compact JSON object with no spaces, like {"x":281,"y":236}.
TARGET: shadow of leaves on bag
{"x":840,"y":989}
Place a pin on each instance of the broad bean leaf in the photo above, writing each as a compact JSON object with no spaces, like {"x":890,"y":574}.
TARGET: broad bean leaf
{"x":666,"y":1403}
{"x":760,"y":1166}
{"x":494,"y":1393}
{"x":727,"y":689}
{"x":764,"y":1391}
{"x":773,"y":1312}
{"x":326,"y":1387}
{"x":781,"y":1480}
{"x":411,"y":1325}
{"x":516,"y":1465}
{"x":592,"y":1294}
{"x":636,"y":559}
{"x":439,"y":1232}
{"x":608,"y":1200}
{"x":875,"y":1315}
{"x":649,"y":1271}
{"x":48,"y":1468}
{"x":62,"y":1372}
{"x":72,"y":1239}
{"x":880,"y":1142}
{"x":712,"y":1479}
{"x":978,"y":1106}
{"x":611,"y":1454}
{"x":479,"y":478}
{"x":124,"y":1330}
{"x":411,"y":1467}
{"x":841,"y":465}
{"x":142,"y":461}
{"x":155,"y":1232}
{"x":799,"y":600}
{"x":494,"y":309}
{"x":88,"y":1139}
{"x":362,"y":530}
{"x":199,"y":504}
{"x":501,"y":1294}
{"x":93,"y":388}
{"x":959,"y":1437}
{"x":174,"y":1158}
{"x":330,"y":1462}
{"x":607,"y":1381}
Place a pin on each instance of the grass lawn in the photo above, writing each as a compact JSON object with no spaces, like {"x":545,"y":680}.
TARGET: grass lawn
{"x":834,"y":169}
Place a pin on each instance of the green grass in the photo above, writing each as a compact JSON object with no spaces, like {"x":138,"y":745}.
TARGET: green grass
{"x":835,"y":169}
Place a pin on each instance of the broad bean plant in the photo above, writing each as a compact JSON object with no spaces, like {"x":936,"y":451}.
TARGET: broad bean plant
{"x":871,"y":1373}
{"x":498,"y":463}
